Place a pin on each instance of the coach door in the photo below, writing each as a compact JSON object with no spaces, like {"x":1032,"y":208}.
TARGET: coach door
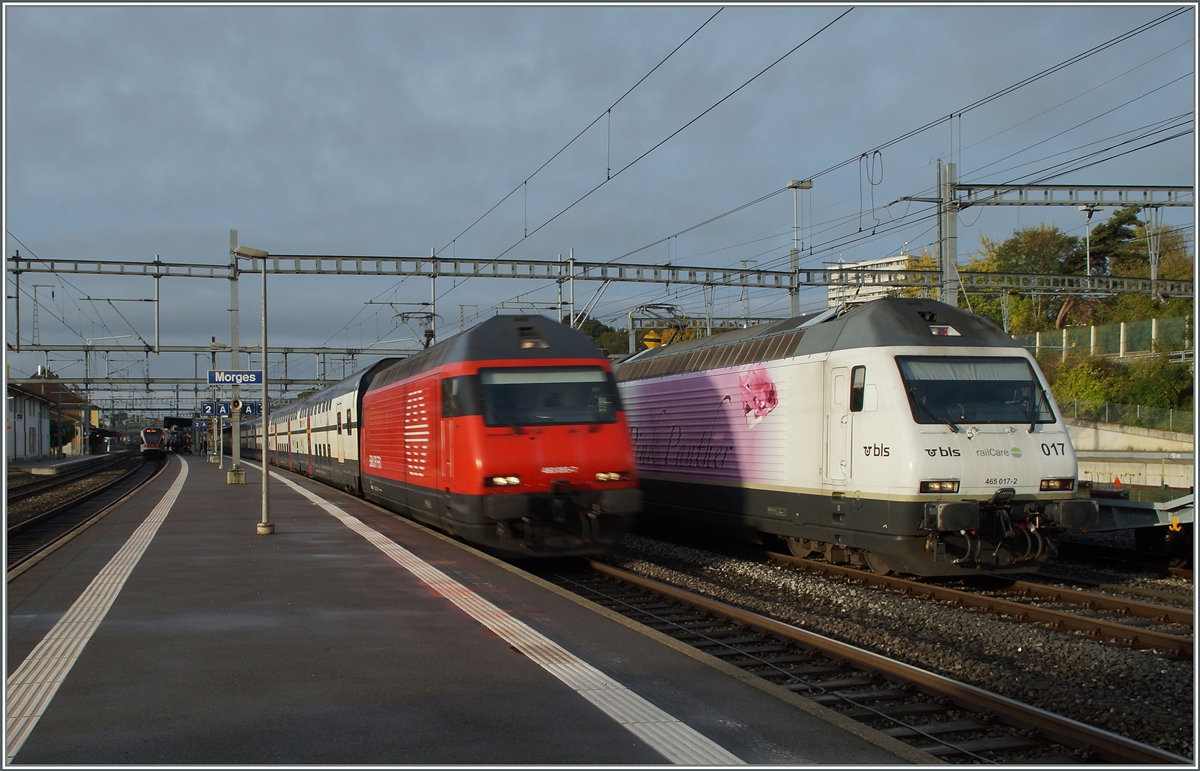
{"x":308,"y":441}
{"x":341,"y":448}
{"x":837,"y":426}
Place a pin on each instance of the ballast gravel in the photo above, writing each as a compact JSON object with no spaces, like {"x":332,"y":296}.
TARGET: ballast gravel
{"x":1135,"y":693}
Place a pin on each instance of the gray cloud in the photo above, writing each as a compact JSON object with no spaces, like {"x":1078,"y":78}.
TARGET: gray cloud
{"x":135,"y":131}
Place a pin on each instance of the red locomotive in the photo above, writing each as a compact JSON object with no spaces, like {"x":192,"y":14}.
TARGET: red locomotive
{"x":510,"y":435}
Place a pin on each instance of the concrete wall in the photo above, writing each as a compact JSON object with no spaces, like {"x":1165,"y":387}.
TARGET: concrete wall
{"x":1108,"y":452}
{"x":1087,"y":435}
{"x":1148,"y":472}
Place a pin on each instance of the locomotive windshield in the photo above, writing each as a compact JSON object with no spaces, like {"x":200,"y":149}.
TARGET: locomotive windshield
{"x":547,"y":396}
{"x":951,"y":390}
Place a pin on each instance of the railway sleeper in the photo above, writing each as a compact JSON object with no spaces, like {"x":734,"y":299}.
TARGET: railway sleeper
{"x":951,"y":726}
{"x":888,"y":694}
{"x":691,"y":623}
{"x":749,"y":651}
{"x":895,"y":710}
{"x":983,"y":745}
{"x":710,"y":642}
{"x":810,"y":671}
{"x":853,"y":682}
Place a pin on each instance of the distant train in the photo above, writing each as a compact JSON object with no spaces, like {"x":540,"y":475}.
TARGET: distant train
{"x":902,"y":435}
{"x":509,"y":435}
{"x":154,"y":442}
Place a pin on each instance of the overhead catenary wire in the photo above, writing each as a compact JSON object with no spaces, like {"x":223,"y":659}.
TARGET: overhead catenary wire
{"x":524,"y":184}
{"x":607,"y":112}
{"x":61,"y":317}
{"x":1085,"y":93}
{"x":972,"y":106}
{"x":1011,"y":88}
{"x":673,"y":134}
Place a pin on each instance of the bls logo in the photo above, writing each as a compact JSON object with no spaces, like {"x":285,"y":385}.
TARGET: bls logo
{"x":945,"y":452}
{"x":878,"y":450}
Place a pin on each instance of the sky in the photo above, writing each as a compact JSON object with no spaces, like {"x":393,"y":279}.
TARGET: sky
{"x":617,"y":133}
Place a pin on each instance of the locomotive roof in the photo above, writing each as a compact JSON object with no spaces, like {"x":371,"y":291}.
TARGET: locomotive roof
{"x":887,"y":322}
{"x":500,"y":337}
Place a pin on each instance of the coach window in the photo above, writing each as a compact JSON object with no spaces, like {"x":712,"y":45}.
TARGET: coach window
{"x":339,"y":421}
{"x":858,"y":386}
{"x":349,"y":422}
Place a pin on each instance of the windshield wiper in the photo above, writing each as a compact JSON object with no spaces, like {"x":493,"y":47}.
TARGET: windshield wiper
{"x":930,"y":411}
{"x":1033,"y":409}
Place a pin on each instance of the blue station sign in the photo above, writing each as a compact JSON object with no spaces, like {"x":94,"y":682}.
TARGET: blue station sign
{"x":225,"y":409}
{"x":235,"y":377}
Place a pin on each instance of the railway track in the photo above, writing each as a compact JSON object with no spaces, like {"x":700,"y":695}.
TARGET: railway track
{"x":37,"y":535}
{"x":1176,"y":643}
{"x":1128,"y":558}
{"x":942,"y":717}
{"x":40,"y":484}
{"x":1150,"y":593}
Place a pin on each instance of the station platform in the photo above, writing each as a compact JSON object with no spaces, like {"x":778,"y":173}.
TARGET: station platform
{"x":51,"y":466}
{"x":170,"y":632}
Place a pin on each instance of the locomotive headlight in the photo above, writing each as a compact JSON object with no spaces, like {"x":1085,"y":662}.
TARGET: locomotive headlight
{"x":502,"y":481}
{"x":940,"y":486}
{"x":610,"y":476}
{"x":1058,"y":484}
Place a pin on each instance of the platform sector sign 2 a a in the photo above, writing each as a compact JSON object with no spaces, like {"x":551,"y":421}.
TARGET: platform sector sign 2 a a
{"x":225,"y":409}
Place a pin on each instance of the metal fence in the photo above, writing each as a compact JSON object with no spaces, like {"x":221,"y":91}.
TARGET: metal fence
{"x":1128,"y":338}
{"x":1130,"y":415}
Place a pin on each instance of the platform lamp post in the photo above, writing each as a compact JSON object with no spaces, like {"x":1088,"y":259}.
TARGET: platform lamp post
{"x":796,"y":186}
{"x":266,"y":526}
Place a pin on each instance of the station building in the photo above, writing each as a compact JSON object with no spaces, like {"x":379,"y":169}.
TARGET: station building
{"x":30,"y":410}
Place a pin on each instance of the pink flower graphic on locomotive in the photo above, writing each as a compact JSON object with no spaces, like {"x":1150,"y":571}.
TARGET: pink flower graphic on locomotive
{"x":759,"y":396}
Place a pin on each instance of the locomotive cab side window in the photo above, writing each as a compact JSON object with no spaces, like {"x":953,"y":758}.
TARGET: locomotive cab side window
{"x":339,"y":421}
{"x":460,"y":396}
{"x":349,"y":422}
{"x":952,"y":389}
{"x":858,"y":387}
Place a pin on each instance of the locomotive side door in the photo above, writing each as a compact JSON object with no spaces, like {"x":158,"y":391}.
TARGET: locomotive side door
{"x":837,"y":427}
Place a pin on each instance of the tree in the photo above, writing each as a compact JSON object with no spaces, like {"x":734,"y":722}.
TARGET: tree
{"x":923,"y":262}
{"x":1116,"y":249}
{"x":1042,"y":249}
{"x":605,"y":337}
{"x":62,"y":432}
{"x":1128,"y":255}
{"x":1150,"y":382}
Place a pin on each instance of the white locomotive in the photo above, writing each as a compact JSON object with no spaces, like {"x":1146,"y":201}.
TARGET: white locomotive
{"x":901,"y":435}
